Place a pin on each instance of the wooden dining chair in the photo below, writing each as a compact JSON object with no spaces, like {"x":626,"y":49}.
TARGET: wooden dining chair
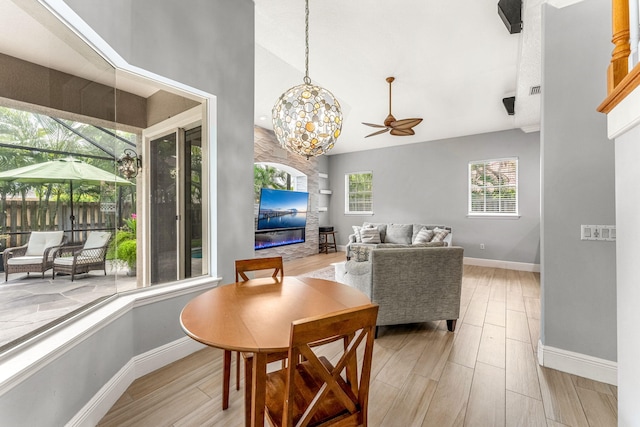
{"x":314,"y":391}
{"x":244,"y":266}
{"x":255,"y":264}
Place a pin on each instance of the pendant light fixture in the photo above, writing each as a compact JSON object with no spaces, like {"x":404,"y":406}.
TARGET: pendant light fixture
{"x":307,"y":118}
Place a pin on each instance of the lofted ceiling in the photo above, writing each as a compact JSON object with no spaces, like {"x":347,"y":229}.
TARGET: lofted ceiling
{"x":453,"y":63}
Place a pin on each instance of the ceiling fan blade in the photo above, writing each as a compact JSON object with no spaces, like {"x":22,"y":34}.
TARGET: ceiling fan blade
{"x":402,"y":132}
{"x":405,"y":123}
{"x":378,"y":132}
{"x":374,"y":125}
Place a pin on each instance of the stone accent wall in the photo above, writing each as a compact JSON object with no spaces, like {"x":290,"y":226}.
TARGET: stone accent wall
{"x":267,"y":149}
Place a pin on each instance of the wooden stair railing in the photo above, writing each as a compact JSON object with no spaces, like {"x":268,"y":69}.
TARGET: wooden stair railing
{"x":620,"y":82}
{"x":619,"y":66}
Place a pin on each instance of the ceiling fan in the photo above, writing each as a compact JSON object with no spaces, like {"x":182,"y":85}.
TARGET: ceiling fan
{"x":394,"y":127}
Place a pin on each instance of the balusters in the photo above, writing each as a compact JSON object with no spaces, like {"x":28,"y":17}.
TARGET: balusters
{"x":619,"y":66}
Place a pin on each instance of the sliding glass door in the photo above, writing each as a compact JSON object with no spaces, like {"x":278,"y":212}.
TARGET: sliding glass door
{"x":175,"y":208}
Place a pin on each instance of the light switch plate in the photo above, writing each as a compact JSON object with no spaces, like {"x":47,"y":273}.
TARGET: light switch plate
{"x":598,"y":232}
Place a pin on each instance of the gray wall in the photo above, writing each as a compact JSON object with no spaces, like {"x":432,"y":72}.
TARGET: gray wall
{"x":189,"y":44}
{"x":578,"y":277}
{"x":427,"y":183}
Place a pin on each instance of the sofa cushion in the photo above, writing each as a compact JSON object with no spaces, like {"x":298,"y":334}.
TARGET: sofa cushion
{"x":25,"y":260}
{"x":370,"y":235}
{"x":429,"y":245}
{"x":425,"y":235}
{"x":399,"y":233}
{"x":356,"y":231}
{"x":382,"y":228}
{"x":440,"y":234}
{"x":391,"y":245}
{"x":97,"y":239}
{"x":41,"y":240}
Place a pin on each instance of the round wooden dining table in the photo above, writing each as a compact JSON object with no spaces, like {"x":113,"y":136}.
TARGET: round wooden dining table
{"x":255,"y":316}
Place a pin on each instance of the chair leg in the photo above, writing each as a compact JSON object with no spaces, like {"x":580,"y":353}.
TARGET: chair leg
{"x":237,"y":370}
{"x":248,"y":378}
{"x":226,"y":376}
{"x":451,"y":325}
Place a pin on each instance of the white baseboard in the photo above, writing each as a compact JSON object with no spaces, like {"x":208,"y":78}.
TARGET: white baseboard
{"x":91,"y":414}
{"x":579,"y":364}
{"x":508,"y":265}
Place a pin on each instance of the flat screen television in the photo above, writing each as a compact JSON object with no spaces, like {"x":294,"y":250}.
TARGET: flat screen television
{"x":282,"y":209}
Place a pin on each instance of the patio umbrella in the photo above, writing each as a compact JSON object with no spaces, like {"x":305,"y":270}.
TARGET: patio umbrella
{"x":62,"y":171}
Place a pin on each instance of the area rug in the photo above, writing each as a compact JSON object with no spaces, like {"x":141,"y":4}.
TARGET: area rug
{"x":327,"y":273}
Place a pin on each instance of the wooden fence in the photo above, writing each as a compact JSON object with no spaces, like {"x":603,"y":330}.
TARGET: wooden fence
{"x":18,"y":220}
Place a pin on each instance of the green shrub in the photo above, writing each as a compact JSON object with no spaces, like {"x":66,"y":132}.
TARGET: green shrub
{"x":127,"y":251}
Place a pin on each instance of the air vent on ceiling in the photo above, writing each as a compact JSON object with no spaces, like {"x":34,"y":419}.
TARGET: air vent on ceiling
{"x":535,"y":90}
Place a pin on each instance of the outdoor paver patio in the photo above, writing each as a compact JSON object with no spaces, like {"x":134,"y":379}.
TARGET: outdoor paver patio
{"x":28,"y":302}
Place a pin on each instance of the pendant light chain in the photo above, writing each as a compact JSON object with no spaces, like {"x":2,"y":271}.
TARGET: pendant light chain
{"x":307,"y":80}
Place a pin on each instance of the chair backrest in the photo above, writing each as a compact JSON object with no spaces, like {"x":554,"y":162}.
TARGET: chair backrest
{"x":255,"y":264}
{"x":332,"y":392}
{"x":97,"y":240}
{"x":41,"y":240}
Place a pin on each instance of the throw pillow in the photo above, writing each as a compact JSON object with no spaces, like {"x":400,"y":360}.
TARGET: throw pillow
{"x":382,"y":228}
{"x":399,"y":233}
{"x":356,"y":231}
{"x":360,"y":253}
{"x":370,"y":235}
{"x":425,"y":235}
{"x":439,"y":234}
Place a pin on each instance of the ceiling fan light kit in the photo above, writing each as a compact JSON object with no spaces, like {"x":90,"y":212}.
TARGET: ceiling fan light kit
{"x":307,"y":118}
{"x":395,"y":127}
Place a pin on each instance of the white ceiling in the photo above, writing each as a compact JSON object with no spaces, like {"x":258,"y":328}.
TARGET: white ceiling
{"x":31,"y":33}
{"x":453,"y":62}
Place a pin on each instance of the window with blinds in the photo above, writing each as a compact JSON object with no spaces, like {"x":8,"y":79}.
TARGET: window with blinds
{"x":358,"y":193}
{"x":493,"y":187}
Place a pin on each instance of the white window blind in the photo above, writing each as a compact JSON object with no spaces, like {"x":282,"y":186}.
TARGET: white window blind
{"x":493,"y":187}
{"x":358,"y":193}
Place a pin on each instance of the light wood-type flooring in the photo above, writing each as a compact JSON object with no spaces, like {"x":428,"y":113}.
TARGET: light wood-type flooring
{"x":484,"y":374}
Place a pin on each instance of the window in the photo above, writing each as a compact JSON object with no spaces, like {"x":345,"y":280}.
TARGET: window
{"x":493,"y":187}
{"x":358,"y":193}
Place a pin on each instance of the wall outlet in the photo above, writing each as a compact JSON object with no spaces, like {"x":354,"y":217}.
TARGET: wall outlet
{"x":481,"y":245}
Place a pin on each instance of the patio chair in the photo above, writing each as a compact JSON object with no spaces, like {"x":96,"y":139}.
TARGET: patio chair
{"x":83,"y":258}
{"x":35,"y":256}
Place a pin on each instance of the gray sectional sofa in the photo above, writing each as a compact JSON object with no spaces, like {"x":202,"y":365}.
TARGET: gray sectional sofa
{"x":411,"y":284}
{"x":390,"y":235}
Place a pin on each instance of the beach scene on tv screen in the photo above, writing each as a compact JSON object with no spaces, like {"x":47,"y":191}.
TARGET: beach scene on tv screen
{"x":282,"y":209}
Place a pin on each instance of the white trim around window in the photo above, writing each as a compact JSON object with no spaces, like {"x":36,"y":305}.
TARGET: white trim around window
{"x":493,"y":188}
{"x":358,"y":193}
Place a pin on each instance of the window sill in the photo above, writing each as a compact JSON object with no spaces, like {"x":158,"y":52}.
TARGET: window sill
{"x":25,"y":359}
{"x":489,"y":216}
{"x":366,"y":213}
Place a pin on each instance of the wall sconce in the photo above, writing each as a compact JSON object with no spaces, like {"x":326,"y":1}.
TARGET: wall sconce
{"x":129,"y":163}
